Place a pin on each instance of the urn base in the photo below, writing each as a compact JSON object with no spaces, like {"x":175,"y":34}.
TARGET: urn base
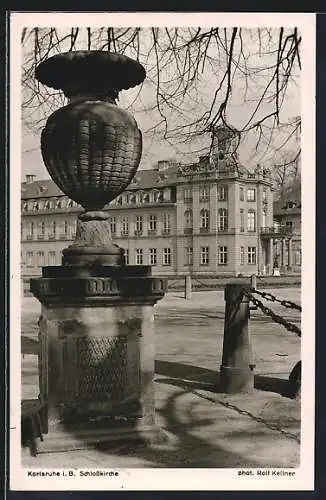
{"x":99,"y":436}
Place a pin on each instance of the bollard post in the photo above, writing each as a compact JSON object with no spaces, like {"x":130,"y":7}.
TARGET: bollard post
{"x":237,"y":369}
{"x":187,"y":294}
{"x":253,"y":281}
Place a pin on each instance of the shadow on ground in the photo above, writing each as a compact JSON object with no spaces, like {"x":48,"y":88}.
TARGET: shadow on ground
{"x":198,"y":377}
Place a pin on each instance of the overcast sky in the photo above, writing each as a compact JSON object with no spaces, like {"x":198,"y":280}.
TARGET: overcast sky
{"x":155,"y":148}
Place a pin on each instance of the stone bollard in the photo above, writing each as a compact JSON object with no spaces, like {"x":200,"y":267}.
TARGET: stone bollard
{"x":188,"y":290}
{"x":236,"y":374}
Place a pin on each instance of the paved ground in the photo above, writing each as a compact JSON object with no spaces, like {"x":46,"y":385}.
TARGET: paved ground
{"x":204,"y":428}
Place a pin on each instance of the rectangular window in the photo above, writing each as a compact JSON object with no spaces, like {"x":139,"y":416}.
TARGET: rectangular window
{"x":73,"y":229}
{"x":152,"y":223}
{"x":187,"y":194}
{"x":242,"y":221}
{"x":204,"y":256}
{"x":113,"y":225}
{"x":204,"y":193}
{"x":139,"y":224}
{"x":152,"y":257}
{"x":251,"y":220}
{"x":289,"y":225}
{"x":166,"y":256}
{"x":188,"y":256}
{"x":223,"y":193}
{"x":251,"y":194}
{"x":264,"y":218}
{"x":242,"y":255}
{"x":264,"y":195}
{"x":125,"y":226}
{"x":204,"y":219}
{"x":52,"y":230}
{"x":29,"y":259}
{"x":126,"y":254}
{"x":297,"y":258}
{"x":223,"y":255}
{"x":241,"y":194}
{"x":30,"y":230}
{"x":41,"y":231}
{"x":251,"y":255}
{"x":139,"y":256}
{"x":166,"y":223}
{"x":223,"y":219}
{"x":52,"y":258}
{"x":40,"y":259}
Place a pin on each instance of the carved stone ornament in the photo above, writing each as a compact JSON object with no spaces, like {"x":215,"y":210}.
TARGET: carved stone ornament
{"x":91,"y":147}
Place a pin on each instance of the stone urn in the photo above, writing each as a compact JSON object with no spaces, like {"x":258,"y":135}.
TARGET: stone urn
{"x":96,"y":331}
{"x":91,"y":147}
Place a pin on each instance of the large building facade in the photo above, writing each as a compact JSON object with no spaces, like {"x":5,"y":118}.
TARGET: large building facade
{"x":213,"y":217}
{"x":287,"y":215}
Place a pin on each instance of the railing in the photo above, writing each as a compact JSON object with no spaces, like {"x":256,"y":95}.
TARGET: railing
{"x":276,"y":231}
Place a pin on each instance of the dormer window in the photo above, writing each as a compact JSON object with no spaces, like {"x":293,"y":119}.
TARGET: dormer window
{"x":156,"y":196}
{"x":290,"y":204}
{"x":162,"y":177}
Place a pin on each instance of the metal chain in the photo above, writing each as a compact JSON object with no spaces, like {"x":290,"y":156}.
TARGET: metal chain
{"x":271,"y":297}
{"x":275,"y":317}
{"x":273,"y":427}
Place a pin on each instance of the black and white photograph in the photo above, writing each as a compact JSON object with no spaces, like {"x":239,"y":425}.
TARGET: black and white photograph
{"x":162,"y":180}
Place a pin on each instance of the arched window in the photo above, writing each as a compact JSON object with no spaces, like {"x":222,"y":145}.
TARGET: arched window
{"x":41,"y":230}
{"x":53,"y":229}
{"x":223,"y":219}
{"x":188,"y":219}
{"x":251,"y":220}
{"x":204,"y":219}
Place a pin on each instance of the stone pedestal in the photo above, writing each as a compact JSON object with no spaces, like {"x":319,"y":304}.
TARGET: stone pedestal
{"x":97,"y":354}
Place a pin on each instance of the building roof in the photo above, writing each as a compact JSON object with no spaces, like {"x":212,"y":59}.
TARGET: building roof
{"x":169,"y":175}
{"x":144,"y":179}
{"x":40,"y":189}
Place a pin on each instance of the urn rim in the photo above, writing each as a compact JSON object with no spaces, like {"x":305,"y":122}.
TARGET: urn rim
{"x":91,"y":70}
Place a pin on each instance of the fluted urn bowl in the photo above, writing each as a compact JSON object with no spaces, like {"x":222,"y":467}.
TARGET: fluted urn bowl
{"x":91,"y":147}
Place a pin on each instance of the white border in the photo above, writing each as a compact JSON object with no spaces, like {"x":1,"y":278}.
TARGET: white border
{"x":165,"y":479}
